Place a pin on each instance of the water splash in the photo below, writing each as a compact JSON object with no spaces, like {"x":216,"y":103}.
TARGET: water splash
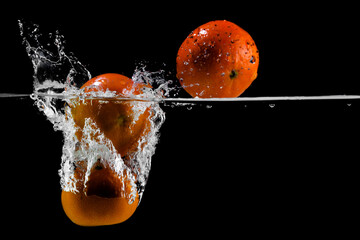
{"x":54,"y":69}
{"x":60,"y":73}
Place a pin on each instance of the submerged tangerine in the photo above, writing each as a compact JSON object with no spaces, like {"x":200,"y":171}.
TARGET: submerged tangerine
{"x":106,"y":198}
{"x":218,"y":59}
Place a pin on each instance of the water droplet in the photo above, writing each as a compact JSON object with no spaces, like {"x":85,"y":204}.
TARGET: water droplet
{"x":223,"y":74}
{"x":186,"y":63}
{"x":252,"y":60}
{"x":33,"y":96}
{"x":202,"y":32}
{"x":348,"y":104}
{"x":208,"y":106}
{"x":272,"y":105}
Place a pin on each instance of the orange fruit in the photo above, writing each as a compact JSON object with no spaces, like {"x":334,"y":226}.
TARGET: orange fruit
{"x":105,"y":198}
{"x":103,"y":201}
{"x":218,"y":59}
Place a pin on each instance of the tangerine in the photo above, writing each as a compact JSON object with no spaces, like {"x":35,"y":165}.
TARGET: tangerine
{"x":107,"y":198}
{"x":218,"y":59}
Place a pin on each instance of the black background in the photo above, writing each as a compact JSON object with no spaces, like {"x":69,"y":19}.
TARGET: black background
{"x":234,"y":168}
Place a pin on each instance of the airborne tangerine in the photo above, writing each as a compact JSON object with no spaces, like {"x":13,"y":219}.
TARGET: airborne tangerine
{"x":218,"y":59}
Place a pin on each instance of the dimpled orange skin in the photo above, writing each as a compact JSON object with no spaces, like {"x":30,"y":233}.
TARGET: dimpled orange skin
{"x":103,"y":202}
{"x":217,"y":60}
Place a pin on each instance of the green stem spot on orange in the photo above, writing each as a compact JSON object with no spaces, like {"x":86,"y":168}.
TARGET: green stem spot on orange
{"x":233,"y":74}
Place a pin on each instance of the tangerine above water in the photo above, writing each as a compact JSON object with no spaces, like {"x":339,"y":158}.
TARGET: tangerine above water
{"x":217,"y":60}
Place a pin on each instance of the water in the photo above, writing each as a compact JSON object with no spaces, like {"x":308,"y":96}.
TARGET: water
{"x":192,"y":100}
